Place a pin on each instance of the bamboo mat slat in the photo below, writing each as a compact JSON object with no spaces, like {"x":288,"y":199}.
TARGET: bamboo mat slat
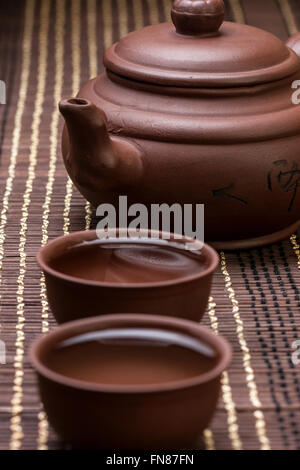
{"x":48,"y":48}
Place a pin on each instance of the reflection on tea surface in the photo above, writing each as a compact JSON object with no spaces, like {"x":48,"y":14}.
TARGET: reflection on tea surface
{"x":141,"y":261}
{"x":131,"y":356}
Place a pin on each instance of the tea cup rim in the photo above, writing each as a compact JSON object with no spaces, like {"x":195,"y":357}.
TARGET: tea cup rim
{"x":71,"y":329}
{"x":211,"y":255}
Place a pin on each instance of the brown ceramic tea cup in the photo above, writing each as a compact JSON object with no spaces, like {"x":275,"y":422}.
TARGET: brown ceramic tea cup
{"x":86,"y":276}
{"x":130,"y":381}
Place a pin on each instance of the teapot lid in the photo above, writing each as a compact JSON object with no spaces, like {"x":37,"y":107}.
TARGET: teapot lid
{"x":199,"y":49}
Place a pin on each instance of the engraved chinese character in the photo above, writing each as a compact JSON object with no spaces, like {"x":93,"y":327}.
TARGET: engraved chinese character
{"x":227,"y":192}
{"x":287,"y":177}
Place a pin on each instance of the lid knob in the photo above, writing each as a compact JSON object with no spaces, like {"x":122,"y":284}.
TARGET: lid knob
{"x":198,"y":17}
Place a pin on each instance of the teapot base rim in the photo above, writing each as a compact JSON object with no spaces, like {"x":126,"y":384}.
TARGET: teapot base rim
{"x":256,"y":242}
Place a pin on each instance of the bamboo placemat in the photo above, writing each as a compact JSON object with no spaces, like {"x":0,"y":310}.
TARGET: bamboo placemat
{"x":47,"y":49}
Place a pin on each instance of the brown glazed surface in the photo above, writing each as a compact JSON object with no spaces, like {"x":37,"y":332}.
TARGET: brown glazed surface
{"x":179,"y":286}
{"x":211,"y":103}
{"x":164,"y":414}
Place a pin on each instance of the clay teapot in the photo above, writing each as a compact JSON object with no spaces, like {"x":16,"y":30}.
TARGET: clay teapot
{"x":195,"y":111}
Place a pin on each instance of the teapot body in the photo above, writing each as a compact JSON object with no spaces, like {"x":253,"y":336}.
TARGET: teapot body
{"x":234,"y":150}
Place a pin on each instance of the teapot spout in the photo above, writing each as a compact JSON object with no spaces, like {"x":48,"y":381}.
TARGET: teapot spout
{"x":93,"y":155}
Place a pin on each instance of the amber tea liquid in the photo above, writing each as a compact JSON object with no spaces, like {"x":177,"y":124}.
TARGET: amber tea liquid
{"x":131,"y":262}
{"x":132,"y":356}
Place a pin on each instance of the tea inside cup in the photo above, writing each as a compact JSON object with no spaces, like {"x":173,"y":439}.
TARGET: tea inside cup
{"x":126,"y":261}
{"x":131,"y":356}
